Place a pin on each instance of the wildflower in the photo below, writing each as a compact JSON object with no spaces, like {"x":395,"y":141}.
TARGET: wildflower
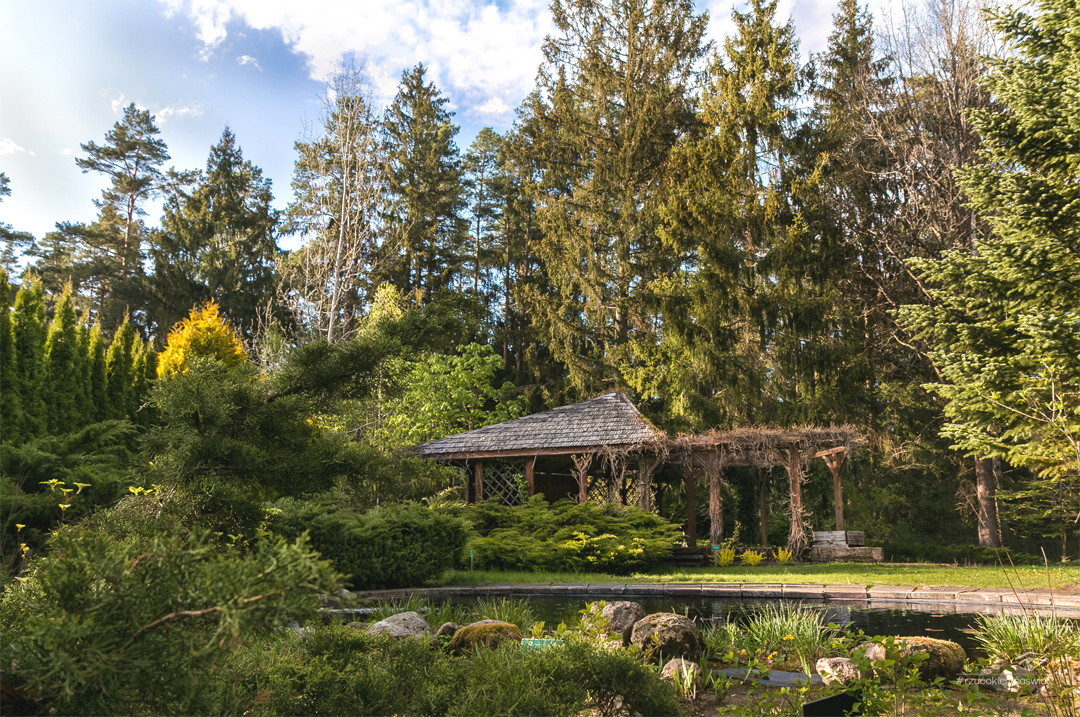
{"x":789,"y":637}
{"x":19,"y":526}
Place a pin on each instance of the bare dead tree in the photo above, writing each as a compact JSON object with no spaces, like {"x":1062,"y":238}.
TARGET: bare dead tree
{"x":339,"y":184}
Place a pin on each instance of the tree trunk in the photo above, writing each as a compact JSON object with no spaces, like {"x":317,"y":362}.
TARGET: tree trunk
{"x":986,"y":488}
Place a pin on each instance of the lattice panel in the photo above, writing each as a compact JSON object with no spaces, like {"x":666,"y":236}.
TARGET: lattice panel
{"x":505,"y":480}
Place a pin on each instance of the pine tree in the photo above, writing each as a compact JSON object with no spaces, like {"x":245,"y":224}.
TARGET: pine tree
{"x":217,"y":242}
{"x":483,"y":180}
{"x":424,"y":202}
{"x":29,"y":328}
{"x":1005,"y":327}
{"x":120,"y":373}
{"x":614,"y":99}
{"x":61,"y":368}
{"x":10,"y":403}
{"x":131,"y":157}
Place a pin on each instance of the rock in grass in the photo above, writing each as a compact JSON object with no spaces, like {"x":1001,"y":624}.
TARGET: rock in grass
{"x":871,"y":651}
{"x":487,"y":634}
{"x":403,"y":624}
{"x":668,"y":634}
{"x":946,"y":659}
{"x":679,"y":672}
{"x":621,"y":617}
{"x":447,"y":629}
{"x":837,"y":669}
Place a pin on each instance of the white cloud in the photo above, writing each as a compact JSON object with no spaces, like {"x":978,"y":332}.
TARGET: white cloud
{"x":249,"y":60}
{"x":67,"y":151}
{"x":479,"y":54}
{"x":8,"y":146}
{"x":166,"y":113}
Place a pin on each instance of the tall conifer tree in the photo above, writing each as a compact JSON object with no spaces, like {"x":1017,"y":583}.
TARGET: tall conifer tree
{"x":614,"y":99}
{"x":10,"y":403}
{"x":30,"y":331}
{"x":120,"y":373}
{"x":425,"y":200}
{"x":62,"y":368}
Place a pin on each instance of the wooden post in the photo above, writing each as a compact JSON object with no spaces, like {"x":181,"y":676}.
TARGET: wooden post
{"x":713,"y":466}
{"x":582,"y":461}
{"x":530,"y":478}
{"x":691,"y":508}
{"x":478,"y":471}
{"x":763,"y":505}
{"x":646,"y":466}
{"x":836,"y":464}
{"x":796,"y":538}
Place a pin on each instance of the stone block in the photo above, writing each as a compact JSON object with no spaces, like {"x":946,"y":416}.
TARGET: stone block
{"x":804,"y":590}
{"x":721,"y":590}
{"x":569,"y":589}
{"x":762,"y":590}
{"x":644,"y":589}
{"x":845,"y":554}
{"x":606,"y":589}
{"x":844,"y":592}
{"x":890,"y":592}
{"x":683,"y":589}
{"x":531,"y":588}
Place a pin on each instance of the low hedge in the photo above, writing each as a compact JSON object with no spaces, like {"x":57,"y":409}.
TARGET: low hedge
{"x":963,"y":554}
{"x":391,"y":546}
{"x":567,"y":536}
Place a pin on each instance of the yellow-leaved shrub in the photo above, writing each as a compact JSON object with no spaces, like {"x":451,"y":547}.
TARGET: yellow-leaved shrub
{"x":203,"y":333}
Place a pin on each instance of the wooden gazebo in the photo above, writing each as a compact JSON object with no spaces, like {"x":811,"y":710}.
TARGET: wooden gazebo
{"x":552,"y":452}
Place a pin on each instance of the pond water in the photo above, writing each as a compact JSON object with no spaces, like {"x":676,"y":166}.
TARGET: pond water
{"x":958,"y":627}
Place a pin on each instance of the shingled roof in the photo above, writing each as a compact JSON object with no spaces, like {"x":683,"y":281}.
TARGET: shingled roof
{"x":587,"y":427}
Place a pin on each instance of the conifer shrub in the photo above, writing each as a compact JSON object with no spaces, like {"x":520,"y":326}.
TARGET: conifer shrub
{"x":390,"y":546}
{"x":337,"y":670}
{"x":567,"y":536}
{"x":203,"y":333}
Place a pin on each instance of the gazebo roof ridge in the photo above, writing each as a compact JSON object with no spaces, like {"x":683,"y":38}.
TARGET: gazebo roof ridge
{"x":590,"y":426}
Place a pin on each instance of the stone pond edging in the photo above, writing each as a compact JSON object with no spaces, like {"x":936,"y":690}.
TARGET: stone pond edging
{"x":938,"y":598}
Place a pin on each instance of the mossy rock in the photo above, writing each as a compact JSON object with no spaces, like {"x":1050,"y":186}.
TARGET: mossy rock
{"x":946,"y":659}
{"x":487,"y":634}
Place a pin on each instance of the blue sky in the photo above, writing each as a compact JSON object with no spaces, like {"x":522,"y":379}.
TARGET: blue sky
{"x":69,"y":67}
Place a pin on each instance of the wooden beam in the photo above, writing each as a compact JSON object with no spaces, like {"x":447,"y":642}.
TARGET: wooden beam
{"x":691,"y":508}
{"x":530,"y":476}
{"x":713,"y":469}
{"x":515,"y":453}
{"x":830,"y":451}
{"x":478,"y":472}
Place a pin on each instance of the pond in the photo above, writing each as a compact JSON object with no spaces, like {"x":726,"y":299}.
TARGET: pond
{"x":955,"y":626}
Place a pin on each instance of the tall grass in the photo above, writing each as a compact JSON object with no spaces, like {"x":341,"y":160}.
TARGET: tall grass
{"x":515,"y":611}
{"x":1007,"y":638}
{"x":788,"y":629}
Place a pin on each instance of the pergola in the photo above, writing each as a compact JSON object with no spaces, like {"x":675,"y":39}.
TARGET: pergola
{"x":553,"y":451}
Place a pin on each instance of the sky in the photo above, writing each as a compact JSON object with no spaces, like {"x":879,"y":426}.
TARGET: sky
{"x":69,"y":67}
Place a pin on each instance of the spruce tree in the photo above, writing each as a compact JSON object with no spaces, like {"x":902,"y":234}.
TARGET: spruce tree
{"x":1004,"y":326}
{"x":61,"y":368}
{"x":728,"y":214}
{"x":614,"y":98}
{"x":424,"y":193}
{"x":30,"y":329}
{"x":217,"y":243}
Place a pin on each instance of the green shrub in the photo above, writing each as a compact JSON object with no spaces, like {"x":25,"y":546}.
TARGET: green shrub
{"x":567,"y":536}
{"x":391,"y":546}
{"x":101,"y":626}
{"x":341,"y":671}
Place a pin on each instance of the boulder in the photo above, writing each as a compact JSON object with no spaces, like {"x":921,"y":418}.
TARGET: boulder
{"x":447,"y":629}
{"x":871,"y":651}
{"x":840,"y":670}
{"x":668,"y":634}
{"x":486,"y":633}
{"x":946,"y":659}
{"x":403,"y":624}
{"x":622,"y":616}
{"x":679,"y":671}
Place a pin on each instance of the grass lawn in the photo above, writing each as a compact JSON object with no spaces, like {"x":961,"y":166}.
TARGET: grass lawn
{"x":1026,"y":577}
